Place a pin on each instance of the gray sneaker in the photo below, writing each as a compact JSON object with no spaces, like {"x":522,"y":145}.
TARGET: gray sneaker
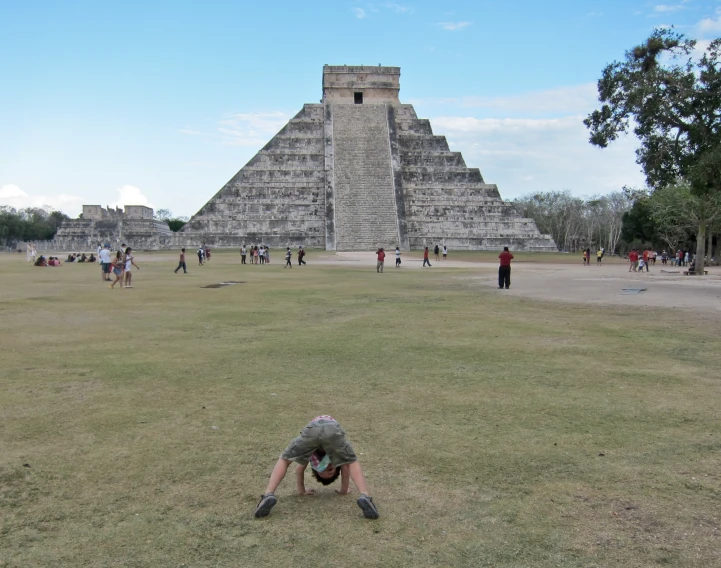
{"x":365,"y":502}
{"x":267,"y":502}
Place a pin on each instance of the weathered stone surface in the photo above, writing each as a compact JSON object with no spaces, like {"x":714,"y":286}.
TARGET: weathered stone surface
{"x":358,"y":171}
{"x":350,"y":176}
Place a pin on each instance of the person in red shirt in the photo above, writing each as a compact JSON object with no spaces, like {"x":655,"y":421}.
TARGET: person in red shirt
{"x":504,"y":271}
{"x":646,"y":255}
{"x":381,"y":258}
{"x":633,"y":260}
{"x":425,"y":258}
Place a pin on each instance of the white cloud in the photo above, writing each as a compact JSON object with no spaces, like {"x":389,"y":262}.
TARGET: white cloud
{"x":454,"y":26}
{"x":359,"y":13}
{"x":252,"y":129}
{"x":710,"y":25}
{"x":534,"y":154}
{"x":13,"y":196}
{"x":130,"y":195}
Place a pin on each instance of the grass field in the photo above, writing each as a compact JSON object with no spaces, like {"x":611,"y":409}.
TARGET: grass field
{"x":138,"y":427}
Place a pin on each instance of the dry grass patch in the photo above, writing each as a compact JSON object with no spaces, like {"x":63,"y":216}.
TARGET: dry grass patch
{"x":493,"y":431}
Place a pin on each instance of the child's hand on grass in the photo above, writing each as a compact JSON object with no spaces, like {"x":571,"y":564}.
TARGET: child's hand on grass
{"x":308,"y":492}
{"x":343,"y":491}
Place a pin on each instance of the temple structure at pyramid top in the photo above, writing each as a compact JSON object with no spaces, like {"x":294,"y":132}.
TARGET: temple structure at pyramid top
{"x":358,"y":171}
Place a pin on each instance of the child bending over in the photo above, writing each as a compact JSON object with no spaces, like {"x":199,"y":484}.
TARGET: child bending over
{"x":323,"y":444}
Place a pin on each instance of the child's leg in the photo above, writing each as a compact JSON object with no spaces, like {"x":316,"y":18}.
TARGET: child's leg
{"x":356,"y":474}
{"x":279,"y":471}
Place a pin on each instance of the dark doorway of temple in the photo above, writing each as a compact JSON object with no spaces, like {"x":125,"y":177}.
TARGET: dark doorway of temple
{"x":358,"y":98}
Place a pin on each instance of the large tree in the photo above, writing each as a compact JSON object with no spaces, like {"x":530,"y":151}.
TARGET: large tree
{"x":672,"y":102}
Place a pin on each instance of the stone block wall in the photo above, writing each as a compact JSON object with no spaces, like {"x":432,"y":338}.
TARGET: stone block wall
{"x":277,"y":198}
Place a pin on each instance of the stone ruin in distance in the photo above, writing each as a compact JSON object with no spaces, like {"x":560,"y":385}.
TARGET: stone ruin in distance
{"x":358,"y":171}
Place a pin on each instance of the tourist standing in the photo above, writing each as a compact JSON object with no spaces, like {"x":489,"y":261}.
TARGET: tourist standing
{"x":301,"y":255}
{"x":398,"y":256}
{"x":646,"y":258}
{"x":664,"y":257}
{"x":685,"y":258}
{"x":243,"y":253}
{"x":445,"y":252}
{"x":288,"y":256}
{"x":201,"y":252}
{"x":261,"y":254}
{"x":267,"y":254}
{"x":255,"y":254}
{"x":437,"y":251}
{"x":599,"y":257}
{"x":181,"y":262}
{"x":381,"y":256}
{"x":504,"y":270}
{"x":105,"y":261}
{"x":425,"y":258}
{"x":129,"y":263}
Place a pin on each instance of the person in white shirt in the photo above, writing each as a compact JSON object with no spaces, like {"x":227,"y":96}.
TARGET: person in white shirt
{"x":104,"y":257}
{"x":398,"y":257}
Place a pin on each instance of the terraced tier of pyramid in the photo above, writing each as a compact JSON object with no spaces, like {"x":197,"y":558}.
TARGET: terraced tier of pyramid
{"x":359,"y":171}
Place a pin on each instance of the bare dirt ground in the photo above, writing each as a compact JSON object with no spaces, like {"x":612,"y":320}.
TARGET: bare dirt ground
{"x":575,"y":283}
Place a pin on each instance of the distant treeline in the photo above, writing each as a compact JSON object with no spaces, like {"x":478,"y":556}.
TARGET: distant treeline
{"x":618,"y":222}
{"x":29,"y":224}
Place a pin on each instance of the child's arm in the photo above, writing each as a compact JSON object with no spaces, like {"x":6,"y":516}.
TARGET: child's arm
{"x":344,"y":480}
{"x":281,"y":467}
{"x":300,"y":480}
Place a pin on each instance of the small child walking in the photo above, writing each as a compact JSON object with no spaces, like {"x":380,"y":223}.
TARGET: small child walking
{"x":324,"y":445}
{"x":181,"y":262}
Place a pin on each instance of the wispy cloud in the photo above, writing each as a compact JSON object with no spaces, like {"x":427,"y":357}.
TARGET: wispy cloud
{"x":191,"y":132}
{"x":251,"y":129}
{"x":667,"y":8}
{"x":11,"y":195}
{"x":710,"y":25}
{"x":524,"y":155}
{"x":359,"y":13}
{"x":399,"y":8}
{"x":561,"y":101}
{"x":454,"y":26}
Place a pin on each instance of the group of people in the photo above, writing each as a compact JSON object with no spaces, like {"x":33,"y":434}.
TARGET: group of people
{"x":259,"y":254}
{"x":51,"y":261}
{"x":120,"y":265}
{"x":77,"y":257}
{"x":203,"y":254}
{"x":599,"y":256}
{"x":289,"y":257}
{"x":638,"y":261}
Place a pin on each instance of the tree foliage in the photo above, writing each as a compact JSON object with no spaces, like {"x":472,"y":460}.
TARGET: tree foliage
{"x":672,"y":103}
{"x":30,"y":224}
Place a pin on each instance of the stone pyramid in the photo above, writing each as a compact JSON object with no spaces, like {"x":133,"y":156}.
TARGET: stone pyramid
{"x":359,"y":171}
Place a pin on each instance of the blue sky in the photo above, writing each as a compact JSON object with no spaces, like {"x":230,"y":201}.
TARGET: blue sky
{"x":160,"y":103}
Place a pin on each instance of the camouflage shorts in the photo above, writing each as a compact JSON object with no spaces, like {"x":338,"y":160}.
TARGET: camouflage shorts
{"x":322,"y":434}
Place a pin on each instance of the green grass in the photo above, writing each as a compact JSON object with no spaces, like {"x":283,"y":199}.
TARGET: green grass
{"x":493,"y":431}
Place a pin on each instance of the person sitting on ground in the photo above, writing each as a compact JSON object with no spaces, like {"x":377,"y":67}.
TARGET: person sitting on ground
{"x":324,"y":445}
{"x":70,"y":258}
{"x":41,"y":261}
{"x":92,"y":258}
